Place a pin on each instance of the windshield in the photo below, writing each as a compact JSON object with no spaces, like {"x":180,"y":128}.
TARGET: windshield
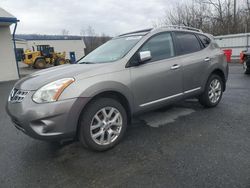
{"x":112,"y":50}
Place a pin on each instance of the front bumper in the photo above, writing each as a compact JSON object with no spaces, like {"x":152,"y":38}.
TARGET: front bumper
{"x":48,"y":121}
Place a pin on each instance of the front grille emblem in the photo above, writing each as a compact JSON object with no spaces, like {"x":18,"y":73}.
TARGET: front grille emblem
{"x":13,"y":93}
{"x":17,"y":96}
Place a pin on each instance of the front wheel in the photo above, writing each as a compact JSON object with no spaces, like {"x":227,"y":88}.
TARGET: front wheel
{"x":213,"y":92}
{"x":40,"y":64}
{"x":102,"y":124}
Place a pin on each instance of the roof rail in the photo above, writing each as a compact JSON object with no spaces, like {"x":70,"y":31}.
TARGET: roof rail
{"x":134,"y":32}
{"x":182,"y":27}
{"x":166,"y":26}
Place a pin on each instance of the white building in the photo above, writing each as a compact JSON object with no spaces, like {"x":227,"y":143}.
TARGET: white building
{"x":8,"y":64}
{"x":73,"y":46}
{"x":236,"y":42}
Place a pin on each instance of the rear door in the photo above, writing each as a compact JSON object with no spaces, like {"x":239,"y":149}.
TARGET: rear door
{"x":195,"y":59}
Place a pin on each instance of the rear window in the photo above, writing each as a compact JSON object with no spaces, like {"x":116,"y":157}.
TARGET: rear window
{"x":187,"y":43}
{"x":204,"y":40}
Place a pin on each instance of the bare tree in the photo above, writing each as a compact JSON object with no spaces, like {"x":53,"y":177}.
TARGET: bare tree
{"x":82,"y":32}
{"x":188,"y":14}
{"x":65,"y":32}
{"x":213,"y":16}
{"x":246,"y":12}
{"x":92,"y":39}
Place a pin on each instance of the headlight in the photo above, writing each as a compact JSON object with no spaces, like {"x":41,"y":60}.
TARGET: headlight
{"x":52,"y":91}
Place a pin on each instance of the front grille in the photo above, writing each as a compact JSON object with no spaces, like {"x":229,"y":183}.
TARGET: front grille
{"x":17,"y":95}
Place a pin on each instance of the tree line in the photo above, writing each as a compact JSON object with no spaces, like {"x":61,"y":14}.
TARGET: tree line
{"x":218,"y":17}
{"x":91,"y":39}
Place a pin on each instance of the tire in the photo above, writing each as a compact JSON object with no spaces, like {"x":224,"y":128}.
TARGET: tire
{"x":246,"y":68}
{"x":40,"y":64}
{"x":94,"y":129}
{"x":212,"y":96}
{"x":60,"y":61}
{"x":67,"y":61}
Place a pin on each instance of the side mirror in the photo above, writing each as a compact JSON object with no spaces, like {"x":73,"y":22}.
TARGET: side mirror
{"x":145,"y":56}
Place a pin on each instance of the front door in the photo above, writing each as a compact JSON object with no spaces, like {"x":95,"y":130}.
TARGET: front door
{"x":160,"y":79}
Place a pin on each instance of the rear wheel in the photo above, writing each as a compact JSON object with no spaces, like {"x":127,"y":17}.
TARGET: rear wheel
{"x":40,"y":64}
{"x":213,"y":92}
{"x":102,"y":124}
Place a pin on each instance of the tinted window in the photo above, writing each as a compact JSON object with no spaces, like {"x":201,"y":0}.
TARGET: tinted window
{"x":188,"y":43}
{"x":205,"y":40}
{"x":160,"y":46}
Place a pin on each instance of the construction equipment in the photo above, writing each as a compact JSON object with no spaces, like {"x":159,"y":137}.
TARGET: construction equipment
{"x":44,"y":56}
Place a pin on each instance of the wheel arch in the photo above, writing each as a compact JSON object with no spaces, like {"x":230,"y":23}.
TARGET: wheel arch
{"x":116,"y":95}
{"x":220,"y":73}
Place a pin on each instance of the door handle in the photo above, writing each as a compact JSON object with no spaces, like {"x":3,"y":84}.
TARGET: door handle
{"x":176,"y":66}
{"x":207,"y":59}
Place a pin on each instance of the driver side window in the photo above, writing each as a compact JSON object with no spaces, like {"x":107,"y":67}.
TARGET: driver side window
{"x":161,"y":47}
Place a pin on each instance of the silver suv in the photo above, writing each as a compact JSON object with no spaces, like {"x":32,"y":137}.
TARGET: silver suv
{"x":95,"y":99}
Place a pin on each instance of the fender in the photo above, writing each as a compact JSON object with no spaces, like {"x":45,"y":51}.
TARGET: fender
{"x":109,"y":86}
{"x":89,"y":88}
{"x":215,"y":68}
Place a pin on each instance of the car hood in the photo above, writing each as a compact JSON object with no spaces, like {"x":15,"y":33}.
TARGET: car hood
{"x":36,"y":80}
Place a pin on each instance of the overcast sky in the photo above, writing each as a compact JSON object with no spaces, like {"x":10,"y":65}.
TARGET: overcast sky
{"x":105,"y":16}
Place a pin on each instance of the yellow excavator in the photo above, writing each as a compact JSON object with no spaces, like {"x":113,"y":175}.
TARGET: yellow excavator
{"x":43,"y":56}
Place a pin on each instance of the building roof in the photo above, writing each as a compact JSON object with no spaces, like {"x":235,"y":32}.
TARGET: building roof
{"x":6,"y":18}
{"x":47,"y":37}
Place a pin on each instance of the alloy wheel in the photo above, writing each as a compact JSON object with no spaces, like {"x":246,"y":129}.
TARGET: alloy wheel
{"x":215,"y":91}
{"x":106,"y":126}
